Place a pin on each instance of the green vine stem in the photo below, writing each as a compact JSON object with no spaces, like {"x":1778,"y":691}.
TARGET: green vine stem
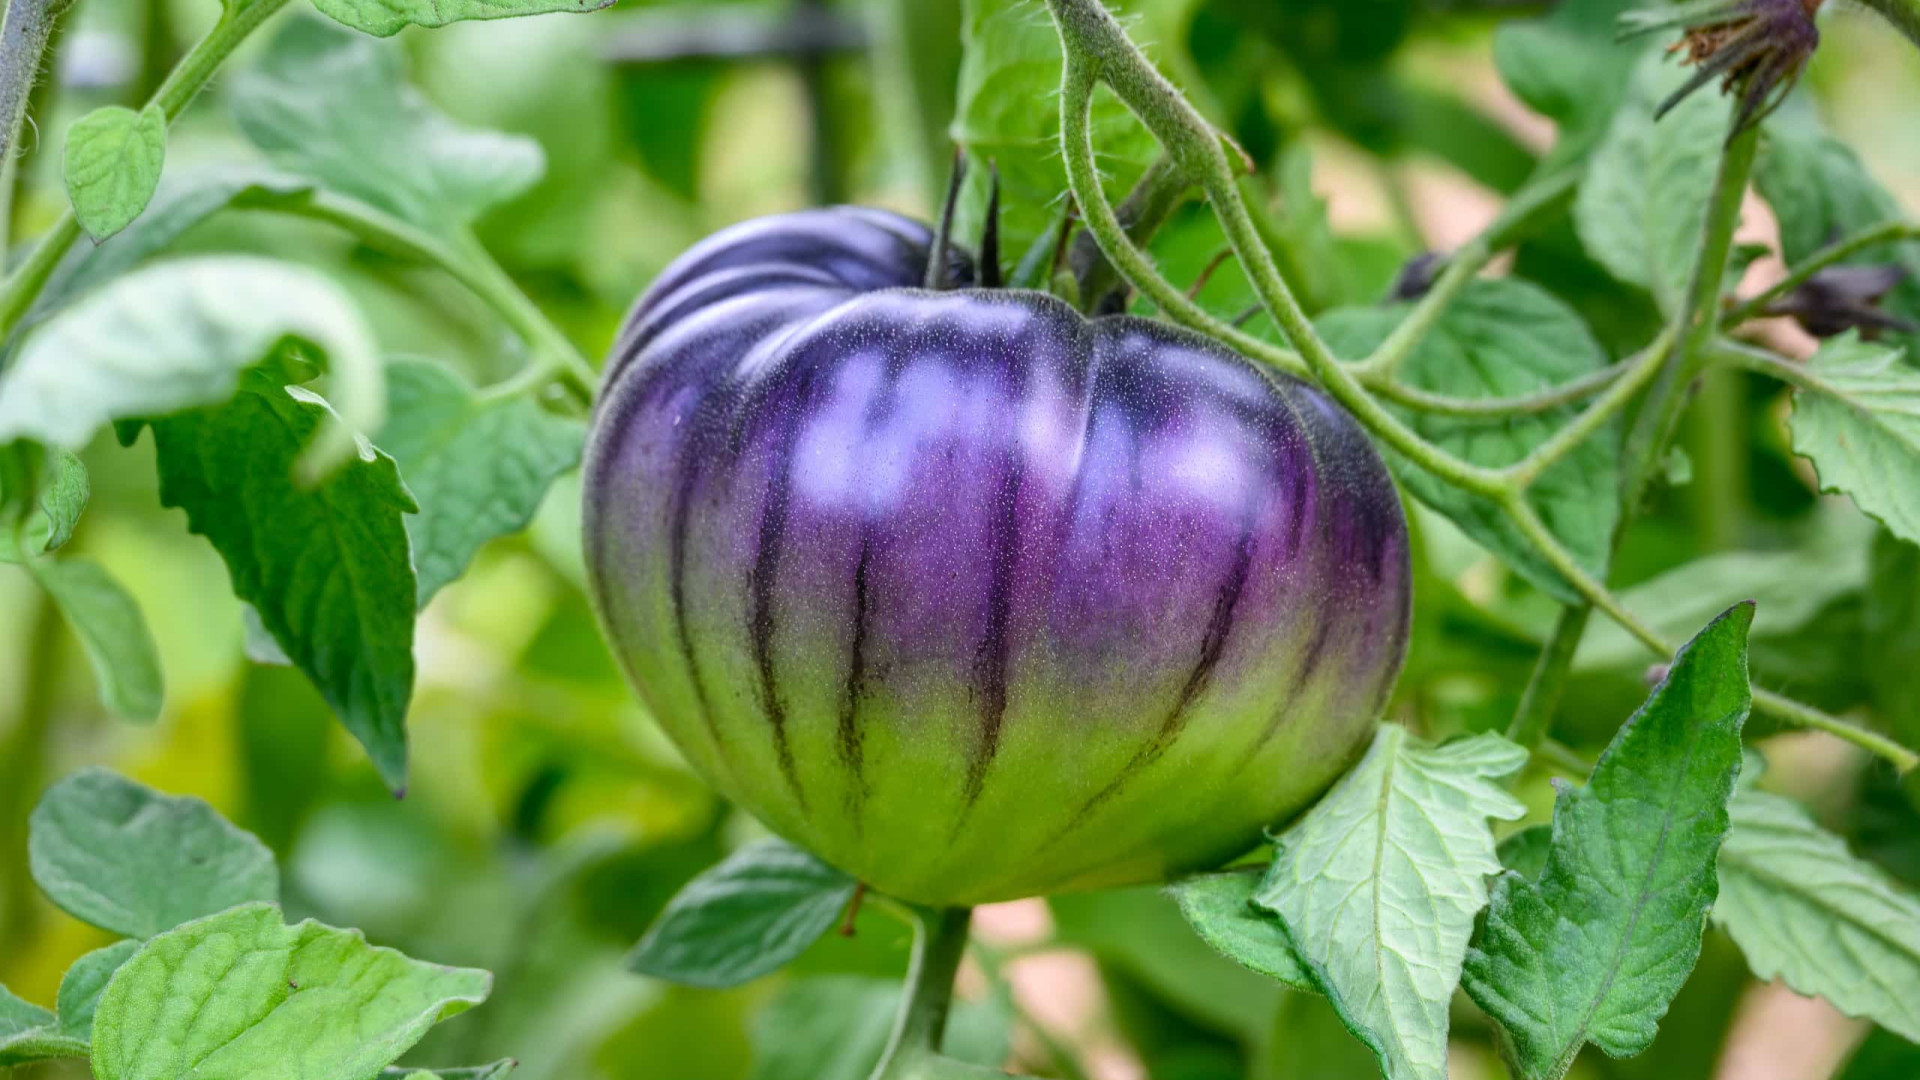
{"x":1640,"y":372}
{"x":1096,"y":50}
{"x":1548,"y":681}
{"x":1553,"y":397}
{"x":1886,"y":232}
{"x":913,"y":1050}
{"x":186,"y":80}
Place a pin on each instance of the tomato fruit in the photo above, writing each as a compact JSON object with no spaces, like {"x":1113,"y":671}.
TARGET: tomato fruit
{"x":970,"y":595}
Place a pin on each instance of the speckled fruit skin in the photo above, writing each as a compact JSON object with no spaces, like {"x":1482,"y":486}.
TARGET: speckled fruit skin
{"x":969,"y":595}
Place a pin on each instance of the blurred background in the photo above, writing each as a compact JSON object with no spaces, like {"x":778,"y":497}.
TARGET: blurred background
{"x":548,"y":820}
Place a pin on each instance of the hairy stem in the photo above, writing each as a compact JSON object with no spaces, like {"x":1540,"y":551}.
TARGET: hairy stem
{"x":913,"y":1050}
{"x":1096,"y":48}
{"x":1528,"y":469}
{"x":1153,"y":199}
{"x":24,"y":38}
{"x":1521,"y":405}
{"x":1847,"y":246}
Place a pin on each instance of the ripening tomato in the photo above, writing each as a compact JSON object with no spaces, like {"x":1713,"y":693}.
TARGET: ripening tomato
{"x":970,"y":595}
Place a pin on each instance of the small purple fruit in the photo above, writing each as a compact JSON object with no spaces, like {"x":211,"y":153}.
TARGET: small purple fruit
{"x":969,"y":595}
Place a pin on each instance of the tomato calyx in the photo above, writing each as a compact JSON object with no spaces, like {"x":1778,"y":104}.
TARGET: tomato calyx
{"x":1756,"y":48}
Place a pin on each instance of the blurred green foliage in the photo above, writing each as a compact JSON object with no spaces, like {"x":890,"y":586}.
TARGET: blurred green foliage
{"x":548,"y":821}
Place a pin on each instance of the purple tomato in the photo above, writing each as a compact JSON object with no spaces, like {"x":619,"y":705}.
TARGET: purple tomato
{"x":970,"y":595}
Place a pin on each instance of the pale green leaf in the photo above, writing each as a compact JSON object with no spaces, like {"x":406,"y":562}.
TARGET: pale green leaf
{"x":1858,"y":421}
{"x":495,"y":1071}
{"x":177,"y":335}
{"x":326,"y":566}
{"x":751,"y":914}
{"x":58,"y":502}
{"x":1503,"y":338}
{"x":113,"y":164}
{"x":112,"y":632}
{"x":479,"y":468}
{"x":1595,"y":947}
{"x":242,"y":994}
{"x":84,"y":982}
{"x":835,"y":1027}
{"x":186,"y":197}
{"x":1379,"y":883}
{"x":128,"y":859}
{"x":28,"y":1034}
{"x":329,"y":103}
{"x":1221,"y":910}
{"x":1806,"y":911}
{"x":383,"y":18}
{"x":1641,"y":208}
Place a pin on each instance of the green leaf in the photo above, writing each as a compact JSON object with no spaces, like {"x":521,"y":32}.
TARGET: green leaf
{"x":1567,"y":65}
{"x":112,"y":631}
{"x":1891,"y":621}
{"x":1791,"y":587}
{"x":1594,"y":949}
{"x":478,"y":467}
{"x":331,"y":104}
{"x":1379,"y":883}
{"x":84,"y":982}
{"x":128,"y":859}
{"x":242,"y":993}
{"x":186,"y":197}
{"x":113,"y":165}
{"x":326,"y":566}
{"x":835,"y":1027}
{"x":1221,"y":910}
{"x":1641,"y":209}
{"x":384,"y":18}
{"x":28,"y":1034}
{"x":58,"y":503}
{"x":177,"y":335}
{"x":757,"y":910}
{"x":1807,"y":912}
{"x":1859,"y":423}
{"x":1502,"y":338}
{"x":1008,"y":114}
{"x":1820,"y":191}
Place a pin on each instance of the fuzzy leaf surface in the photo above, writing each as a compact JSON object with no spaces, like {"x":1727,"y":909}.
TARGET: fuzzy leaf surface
{"x":1379,"y":883}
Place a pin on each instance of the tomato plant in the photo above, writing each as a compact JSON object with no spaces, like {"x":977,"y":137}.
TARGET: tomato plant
{"x":1471,"y":640}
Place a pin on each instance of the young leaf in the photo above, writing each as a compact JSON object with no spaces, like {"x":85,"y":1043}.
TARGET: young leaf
{"x":1379,"y":883}
{"x":242,"y":993}
{"x":1594,"y":949}
{"x":1860,"y":426}
{"x":128,"y":859}
{"x":1220,"y":908}
{"x":28,"y":1034}
{"x":84,"y":982}
{"x":761,"y":907}
{"x":835,"y":1027}
{"x":1639,"y":213}
{"x":1806,"y":911}
{"x":384,"y":18}
{"x":113,"y":164}
{"x":177,"y":335}
{"x":114,"y":634}
{"x":327,"y":566}
{"x":330,"y":104}
{"x":478,"y":467}
{"x":1891,"y":621}
{"x":62,"y":498}
{"x":1503,"y":338}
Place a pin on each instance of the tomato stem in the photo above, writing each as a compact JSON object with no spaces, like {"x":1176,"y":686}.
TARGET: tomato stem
{"x":913,"y":1051}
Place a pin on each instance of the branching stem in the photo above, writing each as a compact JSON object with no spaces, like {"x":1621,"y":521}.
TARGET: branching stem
{"x":1886,"y":232}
